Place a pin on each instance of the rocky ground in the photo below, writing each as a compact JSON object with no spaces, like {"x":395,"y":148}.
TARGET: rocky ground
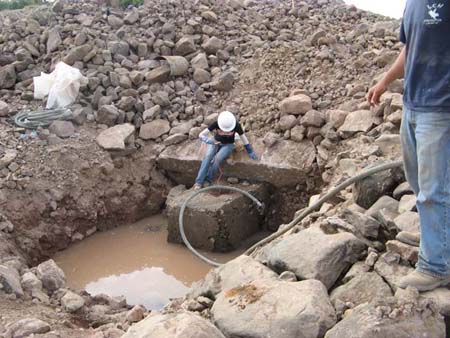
{"x":295,"y":73}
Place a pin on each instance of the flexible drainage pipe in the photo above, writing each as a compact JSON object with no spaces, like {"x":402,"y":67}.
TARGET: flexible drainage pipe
{"x":295,"y":221}
{"x":183,"y":208}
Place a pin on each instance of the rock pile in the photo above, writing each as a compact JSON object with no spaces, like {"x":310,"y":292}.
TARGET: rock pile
{"x":163,"y":64}
{"x":335,"y":273}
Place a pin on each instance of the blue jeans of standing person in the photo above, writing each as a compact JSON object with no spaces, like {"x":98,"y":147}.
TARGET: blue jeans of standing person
{"x":426,"y":154}
{"x":215,"y":155}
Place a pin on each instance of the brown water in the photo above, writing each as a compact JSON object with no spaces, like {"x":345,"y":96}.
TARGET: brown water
{"x":135,"y":261}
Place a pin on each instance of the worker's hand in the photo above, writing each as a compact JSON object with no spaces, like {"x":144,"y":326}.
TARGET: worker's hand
{"x":206,"y":140}
{"x":374,"y":93}
{"x":250,"y":152}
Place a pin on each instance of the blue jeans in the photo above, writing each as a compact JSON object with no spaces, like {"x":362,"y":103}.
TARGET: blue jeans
{"x":215,"y":155}
{"x":426,"y":155}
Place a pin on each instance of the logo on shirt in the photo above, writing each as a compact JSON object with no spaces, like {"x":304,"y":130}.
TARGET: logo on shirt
{"x":433,"y":12}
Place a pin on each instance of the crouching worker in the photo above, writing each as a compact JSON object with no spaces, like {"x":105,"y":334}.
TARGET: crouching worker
{"x":220,"y":147}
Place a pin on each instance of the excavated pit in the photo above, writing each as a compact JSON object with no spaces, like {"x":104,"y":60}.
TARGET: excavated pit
{"x":85,"y":201}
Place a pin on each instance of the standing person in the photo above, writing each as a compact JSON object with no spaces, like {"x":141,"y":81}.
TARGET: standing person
{"x":221,"y":147}
{"x":425,"y":132}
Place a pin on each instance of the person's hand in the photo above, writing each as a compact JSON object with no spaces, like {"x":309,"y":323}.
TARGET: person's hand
{"x":206,"y":140}
{"x":250,"y":152}
{"x":374,"y":93}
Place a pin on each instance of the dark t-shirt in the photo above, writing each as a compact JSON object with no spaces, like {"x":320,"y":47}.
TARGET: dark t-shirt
{"x":223,"y":136}
{"x":425,"y":31}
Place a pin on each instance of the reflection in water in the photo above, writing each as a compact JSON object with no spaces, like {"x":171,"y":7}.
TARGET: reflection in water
{"x":135,"y":261}
{"x":150,"y":287}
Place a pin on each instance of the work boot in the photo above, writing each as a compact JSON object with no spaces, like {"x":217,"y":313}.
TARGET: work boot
{"x":411,"y":238}
{"x":422,"y":282}
{"x":197,"y":186}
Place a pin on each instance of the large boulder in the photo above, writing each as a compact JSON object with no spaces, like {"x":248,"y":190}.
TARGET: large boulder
{"x":297,"y":104}
{"x":51,"y":275}
{"x":215,"y":223}
{"x":10,"y":281}
{"x":358,"y":121}
{"x":368,"y":190}
{"x":239,"y":271}
{"x":390,"y":268}
{"x":400,"y":317}
{"x":286,"y":163}
{"x":154,"y":129}
{"x":274,"y":309}
{"x":312,"y":254}
{"x":180,"y":325}
{"x":115,"y":138}
{"x":26,"y":327}
{"x":361,"y":289}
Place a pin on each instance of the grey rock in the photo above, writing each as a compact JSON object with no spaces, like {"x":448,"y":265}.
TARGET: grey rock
{"x":116,"y":138}
{"x":132,"y":17}
{"x":27,"y":327}
{"x":440,"y":297}
{"x":32,"y":285}
{"x":115,"y":22}
{"x":201,"y":76}
{"x":368,"y":226}
{"x":175,"y":139}
{"x":388,"y":266}
{"x":54,"y":40}
{"x":313,"y":118}
{"x":403,"y":189}
{"x":408,"y":221}
{"x":151,"y":113}
{"x":297,"y":104}
{"x":239,"y":271}
{"x":384,"y":202}
{"x":158,"y":75}
{"x":284,"y":164}
{"x":184,"y":46}
{"x":51,"y":275}
{"x":270,"y":139}
{"x":311,"y":254}
{"x":361,"y":289}
{"x":389,"y":144}
{"x":248,"y":310}
{"x":154,"y":129}
{"x":63,"y":129}
{"x":200,"y":61}
{"x":108,"y":115}
{"x":215,"y":223}
{"x":136,"y":314}
{"x":71,"y":302}
{"x":357,"y":121}
{"x":178,"y":325}
{"x":213,"y":45}
{"x":407,"y":203}
{"x":77,"y":53}
{"x":161,"y":98}
{"x":7,"y":77}
{"x":389,"y":318}
{"x":357,"y":269}
{"x":4,"y":109}
{"x":287,"y":122}
{"x":224,"y":82}
{"x":368,"y":190}
{"x":10,"y":279}
{"x":182,"y":128}
{"x":405,"y":251}
{"x":119,"y":48}
{"x":298,"y":133}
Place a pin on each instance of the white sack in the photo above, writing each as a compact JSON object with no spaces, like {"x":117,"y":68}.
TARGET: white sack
{"x":61,"y":86}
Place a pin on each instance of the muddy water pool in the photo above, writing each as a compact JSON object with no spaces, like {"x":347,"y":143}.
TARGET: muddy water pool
{"x":135,"y":261}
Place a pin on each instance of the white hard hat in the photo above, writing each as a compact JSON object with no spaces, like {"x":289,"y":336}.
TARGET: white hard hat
{"x":226,"y":121}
